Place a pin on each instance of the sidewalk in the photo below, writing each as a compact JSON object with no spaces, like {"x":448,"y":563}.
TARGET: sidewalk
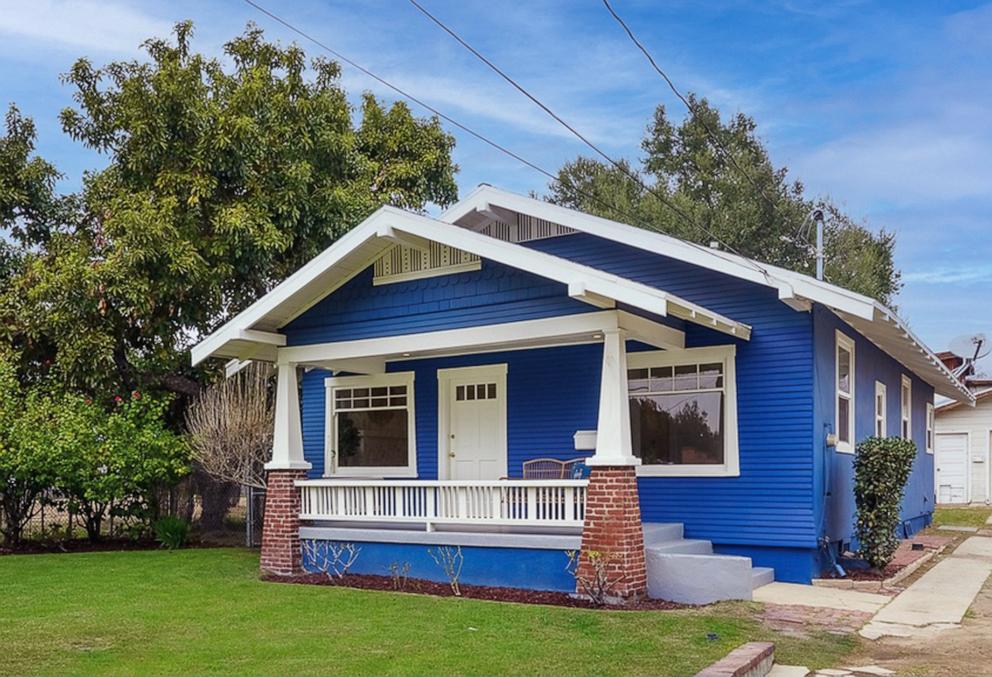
{"x":940,"y":598}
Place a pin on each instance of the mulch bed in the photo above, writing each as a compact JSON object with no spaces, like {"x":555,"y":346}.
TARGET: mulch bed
{"x":903,"y":557}
{"x":425,"y":587}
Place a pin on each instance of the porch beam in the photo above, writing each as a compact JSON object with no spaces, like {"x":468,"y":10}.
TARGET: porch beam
{"x":578,"y":291}
{"x":265,"y":337}
{"x":404,"y":238}
{"x":654,"y":334}
{"x":358,"y":365}
{"x":582,"y":327}
{"x":287,"y":438}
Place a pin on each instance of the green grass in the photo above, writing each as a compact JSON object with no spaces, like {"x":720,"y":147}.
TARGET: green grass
{"x":206,"y":612}
{"x":961,"y":517}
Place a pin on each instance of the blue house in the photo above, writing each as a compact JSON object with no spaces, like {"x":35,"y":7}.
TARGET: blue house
{"x":517,"y":385}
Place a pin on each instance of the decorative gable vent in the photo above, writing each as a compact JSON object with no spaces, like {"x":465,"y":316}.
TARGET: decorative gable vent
{"x":401,"y":263}
{"x":525,"y":228}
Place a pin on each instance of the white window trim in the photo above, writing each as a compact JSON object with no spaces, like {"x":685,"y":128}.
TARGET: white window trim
{"x":883,"y":416}
{"x":931,"y":434}
{"x":731,"y":449}
{"x":330,"y":434}
{"x":847,"y":343}
{"x":906,"y":412}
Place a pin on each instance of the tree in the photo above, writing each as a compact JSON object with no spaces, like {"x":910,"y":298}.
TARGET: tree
{"x":736,"y":197}
{"x":114,"y":463}
{"x":220,"y":181}
{"x":230,"y":427}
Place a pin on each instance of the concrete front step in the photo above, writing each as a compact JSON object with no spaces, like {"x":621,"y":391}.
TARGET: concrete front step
{"x":686,"y":569}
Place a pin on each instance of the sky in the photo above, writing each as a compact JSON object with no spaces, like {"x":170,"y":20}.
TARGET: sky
{"x":884,"y":107}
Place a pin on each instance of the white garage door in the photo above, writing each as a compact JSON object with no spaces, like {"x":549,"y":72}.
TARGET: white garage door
{"x":952,"y":468}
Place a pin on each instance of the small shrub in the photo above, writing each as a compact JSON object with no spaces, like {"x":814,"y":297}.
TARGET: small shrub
{"x":400,"y":573}
{"x":599,"y":585}
{"x":881,"y":470}
{"x":172,"y":532}
{"x":450,"y":560}
{"x":330,"y":558}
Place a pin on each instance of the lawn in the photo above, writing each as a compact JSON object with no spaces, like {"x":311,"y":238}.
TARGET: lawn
{"x":204,"y":611}
{"x":961,"y":517}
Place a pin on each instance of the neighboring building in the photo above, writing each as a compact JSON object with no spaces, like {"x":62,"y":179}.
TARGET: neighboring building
{"x":435,"y":357}
{"x":964,"y":439}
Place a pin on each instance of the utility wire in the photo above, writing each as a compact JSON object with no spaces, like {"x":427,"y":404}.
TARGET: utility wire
{"x":694,"y":109}
{"x":631,"y":218}
{"x":619,"y":166}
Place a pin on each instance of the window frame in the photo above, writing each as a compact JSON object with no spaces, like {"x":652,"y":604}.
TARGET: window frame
{"x":931,"y":432}
{"x":906,"y":408}
{"x":725,"y":354}
{"x":845,"y":342}
{"x":881,"y":417}
{"x":331,"y":469}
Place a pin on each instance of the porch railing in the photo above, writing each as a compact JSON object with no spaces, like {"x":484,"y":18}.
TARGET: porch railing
{"x":530,"y":503}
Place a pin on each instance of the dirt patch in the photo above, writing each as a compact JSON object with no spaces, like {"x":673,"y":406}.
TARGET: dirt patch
{"x":424,"y":587}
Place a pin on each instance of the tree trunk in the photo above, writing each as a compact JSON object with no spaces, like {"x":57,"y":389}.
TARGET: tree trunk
{"x":216,"y":498}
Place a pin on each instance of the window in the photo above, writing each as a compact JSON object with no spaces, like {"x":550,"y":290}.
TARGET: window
{"x":683,"y":411}
{"x":906,"y":408}
{"x":370,"y":426}
{"x":930,"y":414}
{"x":844,"y":421}
{"x":880,"y":408}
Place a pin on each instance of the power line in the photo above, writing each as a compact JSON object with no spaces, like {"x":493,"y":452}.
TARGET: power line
{"x":620,"y":167}
{"x":692,"y":108}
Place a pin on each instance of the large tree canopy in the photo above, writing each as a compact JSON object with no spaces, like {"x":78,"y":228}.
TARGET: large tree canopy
{"x":727,"y":190}
{"x":220,"y":181}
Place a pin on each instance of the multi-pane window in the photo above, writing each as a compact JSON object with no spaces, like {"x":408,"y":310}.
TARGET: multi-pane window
{"x":906,"y":409}
{"x":475,"y":391}
{"x":844,"y":423}
{"x":930,"y":415}
{"x":370,"y":424}
{"x":679,"y":408}
{"x":880,"y":408}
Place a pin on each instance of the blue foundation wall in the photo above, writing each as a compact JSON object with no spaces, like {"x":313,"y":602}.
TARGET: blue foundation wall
{"x":773,"y":512}
{"x":837,"y":468}
{"x":527,"y":568}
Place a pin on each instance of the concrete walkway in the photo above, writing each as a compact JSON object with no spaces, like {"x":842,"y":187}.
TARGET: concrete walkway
{"x":810,"y":595}
{"x":940,"y":598}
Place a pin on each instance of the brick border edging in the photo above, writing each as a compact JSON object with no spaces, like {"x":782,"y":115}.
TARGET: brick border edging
{"x":753,"y":659}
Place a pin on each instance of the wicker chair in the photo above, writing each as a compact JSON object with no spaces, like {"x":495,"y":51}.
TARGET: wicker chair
{"x":549,"y":468}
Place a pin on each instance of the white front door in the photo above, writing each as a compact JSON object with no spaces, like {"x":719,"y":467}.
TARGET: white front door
{"x":951,"y":467}
{"x":473,"y":423}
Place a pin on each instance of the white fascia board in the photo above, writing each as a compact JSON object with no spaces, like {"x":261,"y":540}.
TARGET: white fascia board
{"x":792,"y":287}
{"x":284,"y":290}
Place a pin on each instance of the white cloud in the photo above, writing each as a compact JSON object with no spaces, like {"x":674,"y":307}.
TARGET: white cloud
{"x":965,"y":274}
{"x":90,"y":24}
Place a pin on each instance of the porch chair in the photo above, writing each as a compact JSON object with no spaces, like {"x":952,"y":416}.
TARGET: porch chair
{"x":551,"y":468}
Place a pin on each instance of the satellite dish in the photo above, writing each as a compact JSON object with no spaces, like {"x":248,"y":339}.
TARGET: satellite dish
{"x":971,"y":346}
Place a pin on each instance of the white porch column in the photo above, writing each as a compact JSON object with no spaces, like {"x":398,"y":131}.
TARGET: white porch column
{"x":613,"y":429}
{"x":287,"y":440}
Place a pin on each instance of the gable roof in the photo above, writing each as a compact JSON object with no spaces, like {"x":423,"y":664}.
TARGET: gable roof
{"x":239,"y":338}
{"x":250,"y":334}
{"x":878,"y":323}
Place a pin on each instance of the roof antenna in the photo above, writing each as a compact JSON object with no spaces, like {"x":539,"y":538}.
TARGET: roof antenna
{"x":818,"y":217}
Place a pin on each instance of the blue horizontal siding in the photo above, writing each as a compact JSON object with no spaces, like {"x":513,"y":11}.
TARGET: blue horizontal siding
{"x":552,"y":392}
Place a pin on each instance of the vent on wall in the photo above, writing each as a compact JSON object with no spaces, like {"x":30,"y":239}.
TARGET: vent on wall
{"x":401,"y":263}
{"x":524,"y":229}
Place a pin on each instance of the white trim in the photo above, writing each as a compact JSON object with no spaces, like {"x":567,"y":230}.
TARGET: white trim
{"x":496,"y":372}
{"x":906,"y":408}
{"x":929,"y":439}
{"x":967,"y":466}
{"x":881,"y":418}
{"x":727,"y":355}
{"x":878,"y":323}
{"x":330,"y":433}
{"x":845,"y":342}
{"x":466,"y":267}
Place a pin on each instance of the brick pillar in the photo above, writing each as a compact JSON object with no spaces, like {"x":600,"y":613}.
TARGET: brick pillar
{"x":613,"y":529}
{"x":281,"y":524}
